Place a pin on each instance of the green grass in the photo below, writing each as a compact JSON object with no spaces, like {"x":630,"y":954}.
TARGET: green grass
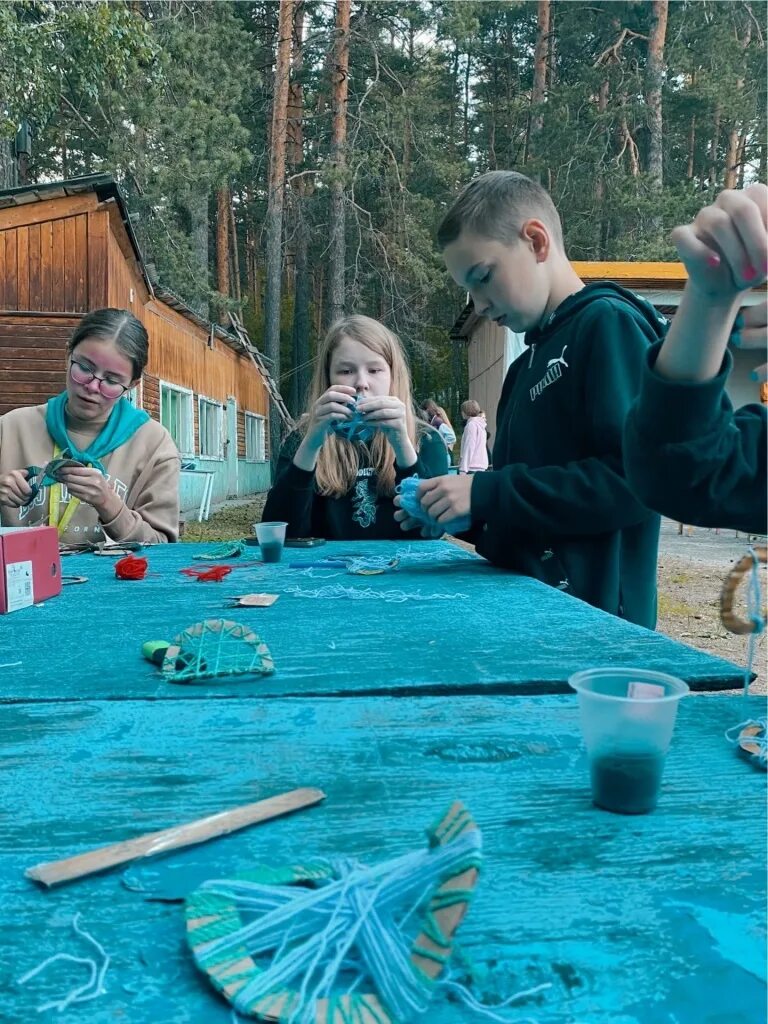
{"x":227,"y":524}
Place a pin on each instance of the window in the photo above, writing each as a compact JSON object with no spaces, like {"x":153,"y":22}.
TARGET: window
{"x":255,"y":450}
{"x":134,"y":396}
{"x":209,"y":429}
{"x":176,"y":416}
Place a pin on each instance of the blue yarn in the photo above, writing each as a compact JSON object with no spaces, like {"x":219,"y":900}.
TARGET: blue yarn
{"x":355,"y":429}
{"x":409,"y":501}
{"x":353,"y":925}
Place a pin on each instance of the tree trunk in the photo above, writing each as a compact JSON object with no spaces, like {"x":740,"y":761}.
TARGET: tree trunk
{"x":235,"y":251}
{"x":466,"y":105}
{"x":714,"y":146}
{"x":301,"y":325}
{"x":742,"y":158}
{"x":538,"y":93}
{"x":732,"y":154}
{"x":654,"y":81}
{"x":338,"y":255}
{"x":198,"y":221}
{"x":274,"y":219}
{"x":300,"y":188}
{"x":8,"y":171}
{"x":691,"y":149}
{"x":600,"y":176}
{"x":222,"y":247}
{"x":732,"y":158}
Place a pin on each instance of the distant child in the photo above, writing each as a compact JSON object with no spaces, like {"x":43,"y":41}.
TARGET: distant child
{"x":437,"y":418}
{"x":330,"y":485}
{"x":556,"y":505}
{"x":474,"y":440}
{"x":687,"y":453}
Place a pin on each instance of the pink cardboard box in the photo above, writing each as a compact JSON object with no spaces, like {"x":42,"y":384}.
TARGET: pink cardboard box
{"x":30,"y":566}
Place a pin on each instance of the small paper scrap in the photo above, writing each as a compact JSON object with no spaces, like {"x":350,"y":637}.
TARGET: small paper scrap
{"x":644,"y":691}
{"x":255,"y":600}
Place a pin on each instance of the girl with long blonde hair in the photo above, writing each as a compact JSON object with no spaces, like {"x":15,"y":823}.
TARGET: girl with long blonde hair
{"x":337,"y":472}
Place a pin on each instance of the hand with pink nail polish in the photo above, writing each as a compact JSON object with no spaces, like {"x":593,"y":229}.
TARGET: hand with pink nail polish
{"x":725,"y":249}
{"x":725,"y":252}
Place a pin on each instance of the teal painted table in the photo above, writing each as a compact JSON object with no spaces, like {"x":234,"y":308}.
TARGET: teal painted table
{"x":652,"y":920}
{"x":495,"y":632}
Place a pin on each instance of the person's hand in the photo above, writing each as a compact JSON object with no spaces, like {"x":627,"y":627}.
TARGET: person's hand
{"x":725,"y":249}
{"x":753,"y":333}
{"x":446,"y":498}
{"x":15,"y":489}
{"x":333,"y":405}
{"x":385,"y":413}
{"x":430,"y":531}
{"x":91,"y":487}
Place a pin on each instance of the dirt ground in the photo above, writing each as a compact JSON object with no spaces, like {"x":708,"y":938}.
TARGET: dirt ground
{"x":692,"y":567}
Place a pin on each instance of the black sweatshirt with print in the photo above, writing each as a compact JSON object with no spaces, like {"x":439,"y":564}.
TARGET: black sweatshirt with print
{"x":360,"y":514}
{"x":557,"y":505}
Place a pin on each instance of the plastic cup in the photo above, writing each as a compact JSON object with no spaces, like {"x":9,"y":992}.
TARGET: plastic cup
{"x":271,"y":538}
{"x":627,"y":718}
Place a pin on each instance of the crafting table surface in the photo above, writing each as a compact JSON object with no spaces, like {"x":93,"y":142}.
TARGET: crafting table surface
{"x":459,"y":626}
{"x":656,"y":919}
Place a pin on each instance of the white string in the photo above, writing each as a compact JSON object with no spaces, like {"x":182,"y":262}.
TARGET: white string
{"x":81,"y":994}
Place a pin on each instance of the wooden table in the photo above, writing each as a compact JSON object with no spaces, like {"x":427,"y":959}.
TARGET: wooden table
{"x":657,"y":919}
{"x":494,"y":632}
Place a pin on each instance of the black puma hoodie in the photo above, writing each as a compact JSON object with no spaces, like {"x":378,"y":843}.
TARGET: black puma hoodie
{"x":556,"y":505}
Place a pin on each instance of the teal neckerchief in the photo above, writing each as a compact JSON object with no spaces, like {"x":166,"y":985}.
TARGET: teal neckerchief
{"x":122,"y":424}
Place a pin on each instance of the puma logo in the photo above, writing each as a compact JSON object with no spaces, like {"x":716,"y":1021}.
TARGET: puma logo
{"x":560,"y":359}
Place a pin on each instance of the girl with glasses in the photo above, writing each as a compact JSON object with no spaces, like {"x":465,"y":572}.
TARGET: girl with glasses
{"x":119,"y":478}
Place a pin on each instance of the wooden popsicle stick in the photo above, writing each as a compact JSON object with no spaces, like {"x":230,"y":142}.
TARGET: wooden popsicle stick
{"x":57,"y":871}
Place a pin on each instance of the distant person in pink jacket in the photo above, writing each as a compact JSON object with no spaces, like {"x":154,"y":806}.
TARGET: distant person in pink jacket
{"x":474,"y":440}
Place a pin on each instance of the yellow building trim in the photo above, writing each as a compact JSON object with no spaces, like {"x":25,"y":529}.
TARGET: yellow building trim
{"x":634,"y":275}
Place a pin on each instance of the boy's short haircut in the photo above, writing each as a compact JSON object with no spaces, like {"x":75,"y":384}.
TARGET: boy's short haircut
{"x":496,"y":205}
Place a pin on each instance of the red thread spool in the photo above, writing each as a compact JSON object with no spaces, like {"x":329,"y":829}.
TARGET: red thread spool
{"x":214,"y":575}
{"x":131,"y":568}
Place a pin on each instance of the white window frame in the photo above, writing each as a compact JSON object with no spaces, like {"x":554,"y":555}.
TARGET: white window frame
{"x":136,"y":395}
{"x":215,"y":407}
{"x":186,"y":443}
{"x":261,"y":454}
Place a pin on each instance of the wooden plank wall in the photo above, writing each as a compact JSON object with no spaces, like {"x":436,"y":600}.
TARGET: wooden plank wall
{"x":70,"y":255}
{"x":486,"y":369}
{"x":52,"y":266}
{"x":179,"y":350}
{"x":32,"y":359}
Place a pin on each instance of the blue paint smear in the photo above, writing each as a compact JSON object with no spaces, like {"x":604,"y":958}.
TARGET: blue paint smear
{"x":738,"y":937}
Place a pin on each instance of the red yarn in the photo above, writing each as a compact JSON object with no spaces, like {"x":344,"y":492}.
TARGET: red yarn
{"x":214,"y":575}
{"x":131,"y":568}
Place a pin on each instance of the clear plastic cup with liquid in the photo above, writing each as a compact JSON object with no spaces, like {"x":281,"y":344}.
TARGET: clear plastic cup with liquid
{"x":271,"y":538}
{"x":627,"y":718}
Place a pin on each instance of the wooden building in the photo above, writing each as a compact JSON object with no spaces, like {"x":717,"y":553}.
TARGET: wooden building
{"x":69,"y":247}
{"x":492,"y":348}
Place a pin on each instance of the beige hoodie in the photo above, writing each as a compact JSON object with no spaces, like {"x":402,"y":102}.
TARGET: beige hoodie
{"x":144,"y":472}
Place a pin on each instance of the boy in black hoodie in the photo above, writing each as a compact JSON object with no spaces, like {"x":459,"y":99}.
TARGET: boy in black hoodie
{"x":556,"y":505}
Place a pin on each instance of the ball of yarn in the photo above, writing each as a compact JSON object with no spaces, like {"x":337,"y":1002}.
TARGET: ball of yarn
{"x":409,"y":502}
{"x":131,"y":568}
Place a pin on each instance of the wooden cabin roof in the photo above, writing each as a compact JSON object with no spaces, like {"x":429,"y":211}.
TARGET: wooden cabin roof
{"x":106,"y":190}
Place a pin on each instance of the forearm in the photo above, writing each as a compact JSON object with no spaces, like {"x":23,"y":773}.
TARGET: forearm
{"x":405,"y":453}
{"x":694,"y":347}
{"x":306,"y":454}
